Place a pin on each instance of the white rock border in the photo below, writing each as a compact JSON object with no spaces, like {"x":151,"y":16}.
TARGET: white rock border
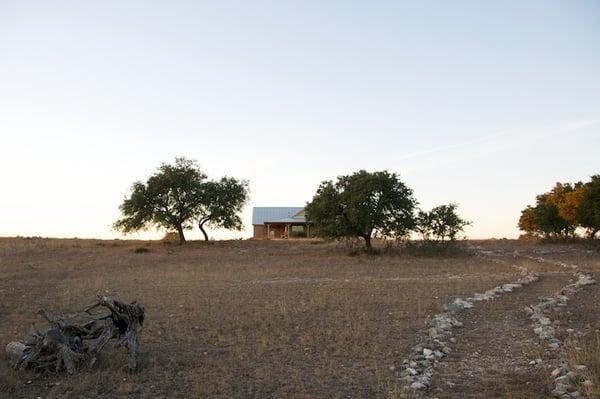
{"x":417,"y":370}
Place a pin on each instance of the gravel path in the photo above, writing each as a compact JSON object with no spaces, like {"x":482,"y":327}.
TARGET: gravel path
{"x":493,"y":350}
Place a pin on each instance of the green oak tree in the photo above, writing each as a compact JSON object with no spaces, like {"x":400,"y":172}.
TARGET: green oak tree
{"x":441,"y":223}
{"x":179,"y":194}
{"x":361,"y":205}
{"x":222,"y":203}
{"x":548,"y":219}
{"x":527,"y":221}
{"x":588,"y":212}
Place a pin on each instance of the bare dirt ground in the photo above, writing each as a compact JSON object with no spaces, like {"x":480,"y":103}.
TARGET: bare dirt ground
{"x":261,"y":319}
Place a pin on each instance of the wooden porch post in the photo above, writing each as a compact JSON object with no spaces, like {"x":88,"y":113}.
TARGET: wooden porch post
{"x":289,"y":230}
{"x":268,"y":231}
{"x":307,"y":230}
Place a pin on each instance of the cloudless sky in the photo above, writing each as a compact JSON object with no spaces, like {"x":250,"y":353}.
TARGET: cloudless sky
{"x":485,"y":104}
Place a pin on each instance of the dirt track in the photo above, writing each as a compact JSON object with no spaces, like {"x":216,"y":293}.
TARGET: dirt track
{"x":497,"y":354}
{"x":495,"y":345}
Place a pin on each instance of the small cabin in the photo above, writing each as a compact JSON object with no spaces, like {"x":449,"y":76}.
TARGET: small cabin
{"x":280,"y":222}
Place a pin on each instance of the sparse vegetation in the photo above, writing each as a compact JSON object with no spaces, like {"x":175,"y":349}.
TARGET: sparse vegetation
{"x":434,"y":248}
{"x":584,"y":357}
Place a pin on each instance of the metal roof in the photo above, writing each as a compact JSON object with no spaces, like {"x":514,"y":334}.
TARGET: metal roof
{"x":299,"y":219}
{"x":281,"y":214}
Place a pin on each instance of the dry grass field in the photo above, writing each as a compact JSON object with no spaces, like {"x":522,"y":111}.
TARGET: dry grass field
{"x":248,"y":319}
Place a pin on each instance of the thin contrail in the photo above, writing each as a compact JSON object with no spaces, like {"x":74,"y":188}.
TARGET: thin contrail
{"x":545,"y":132}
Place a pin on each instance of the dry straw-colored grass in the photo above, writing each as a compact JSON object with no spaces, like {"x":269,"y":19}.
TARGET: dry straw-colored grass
{"x":586,"y":352}
{"x":237,"y":318}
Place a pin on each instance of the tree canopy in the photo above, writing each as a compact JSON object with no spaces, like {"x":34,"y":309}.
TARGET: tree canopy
{"x":363,"y":204}
{"x":560,"y":211}
{"x":222,"y":203}
{"x":441,"y":223}
{"x":527,"y":222}
{"x":179,"y":194}
{"x":588,"y":212}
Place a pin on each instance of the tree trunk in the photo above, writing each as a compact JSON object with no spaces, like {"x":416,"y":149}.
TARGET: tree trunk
{"x":201,"y":225}
{"x":367,"y":242}
{"x":181,"y":235}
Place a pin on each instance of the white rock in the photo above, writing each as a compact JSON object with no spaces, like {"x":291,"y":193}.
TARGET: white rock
{"x":427,"y":352}
{"x":557,"y":372}
{"x":417,"y":385}
{"x":510,"y":287}
{"x":412,"y":371}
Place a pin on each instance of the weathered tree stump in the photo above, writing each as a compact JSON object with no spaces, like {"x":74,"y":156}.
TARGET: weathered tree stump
{"x":125,"y":318}
{"x":67,"y":344}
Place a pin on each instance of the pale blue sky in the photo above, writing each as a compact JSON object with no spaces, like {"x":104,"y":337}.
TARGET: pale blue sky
{"x":480,"y":103}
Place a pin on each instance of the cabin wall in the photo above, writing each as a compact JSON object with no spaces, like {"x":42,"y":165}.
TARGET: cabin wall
{"x":260,"y":231}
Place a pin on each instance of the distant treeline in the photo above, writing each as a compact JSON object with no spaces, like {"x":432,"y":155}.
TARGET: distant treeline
{"x":362,"y":204}
{"x":564,"y":211}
